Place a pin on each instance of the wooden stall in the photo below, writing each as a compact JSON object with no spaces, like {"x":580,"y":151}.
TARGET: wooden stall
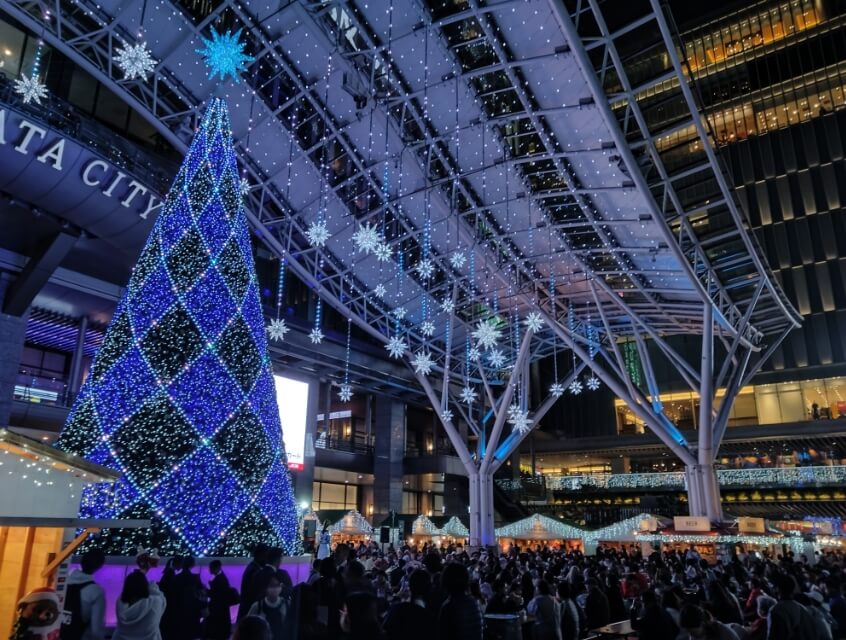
{"x":353,"y":527}
{"x":540,"y":530}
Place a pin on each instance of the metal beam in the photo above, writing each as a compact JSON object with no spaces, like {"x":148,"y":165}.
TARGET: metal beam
{"x":37,"y":272}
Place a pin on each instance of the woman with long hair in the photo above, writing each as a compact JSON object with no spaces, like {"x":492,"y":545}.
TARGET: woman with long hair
{"x":139,"y":609}
{"x":325,"y":539}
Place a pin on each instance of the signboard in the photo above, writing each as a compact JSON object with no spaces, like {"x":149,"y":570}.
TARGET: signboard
{"x":292,"y":400}
{"x":751,"y":525}
{"x":691,"y":523}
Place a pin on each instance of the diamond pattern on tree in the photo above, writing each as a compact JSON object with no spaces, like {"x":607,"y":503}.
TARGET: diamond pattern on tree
{"x":238,"y":440}
{"x":117,"y":341}
{"x":153,"y":441}
{"x":236,"y":346}
{"x":270,"y":500}
{"x":149,"y":260}
{"x":236,"y":543}
{"x":151,"y":301}
{"x":210,"y":304}
{"x":187,"y":261}
{"x":230,"y":264}
{"x":172,"y":343}
{"x":81,"y":433}
{"x":206,"y":378}
{"x":124,"y":390}
{"x":215,"y":226}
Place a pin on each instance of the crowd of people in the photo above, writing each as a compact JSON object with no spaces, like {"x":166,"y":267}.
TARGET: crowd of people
{"x":362,"y":592}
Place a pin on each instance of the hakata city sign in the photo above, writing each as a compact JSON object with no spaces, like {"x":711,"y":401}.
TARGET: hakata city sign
{"x":48,"y":147}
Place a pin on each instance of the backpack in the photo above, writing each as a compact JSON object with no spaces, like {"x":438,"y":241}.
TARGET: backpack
{"x":73,"y":626}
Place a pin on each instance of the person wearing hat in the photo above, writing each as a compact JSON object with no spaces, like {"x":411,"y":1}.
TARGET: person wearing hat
{"x":38,"y":616}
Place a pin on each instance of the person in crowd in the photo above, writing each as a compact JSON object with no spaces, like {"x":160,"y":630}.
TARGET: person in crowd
{"x":248,"y":593}
{"x":547,"y":614}
{"x":167,"y":588}
{"x":323,"y":550}
{"x":614,"y":593}
{"x":813,"y":603}
{"x":725,"y":606}
{"x":189,"y":599}
{"x":139,"y":609}
{"x":274,"y":608}
{"x":412,"y":619}
{"x":360,"y":618}
{"x":697,"y":624}
{"x":85,"y":600}
{"x":597,"y":609}
{"x":222,"y":597}
{"x":460,"y":618}
{"x":789,"y":620}
{"x":649,"y":617}
{"x":330,"y":597}
{"x":571,"y":617}
{"x":251,"y":628}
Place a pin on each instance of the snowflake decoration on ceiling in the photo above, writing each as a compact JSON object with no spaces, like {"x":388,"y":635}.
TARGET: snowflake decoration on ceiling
{"x":556,"y":389}
{"x":487,"y":333}
{"x":383,"y":252}
{"x":224,"y":54}
{"x":366,"y":238}
{"x":457,"y":260}
{"x":447,"y":306}
{"x":592,"y":383}
{"x":244,"y":187}
{"x":135,"y":61}
{"x":399,"y":313}
{"x":496,"y":358}
{"x":427,"y":328}
{"x":513,"y":410}
{"x":534,"y":322}
{"x":277,"y":329}
{"x":317,"y":234}
{"x":396,"y":347}
{"x":468,"y":395}
{"x":576,"y":387}
{"x":423,"y":363}
{"x":519,"y":420}
{"x":446,"y":415}
{"x":30,"y":88}
{"x":380,"y":291}
{"x":345,"y":393}
{"x":425,"y":268}
{"x":474,"y":354}
{"x":316,"y":336}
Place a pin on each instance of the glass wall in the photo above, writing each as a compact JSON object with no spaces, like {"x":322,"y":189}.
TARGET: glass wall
{"x":334,"y":496}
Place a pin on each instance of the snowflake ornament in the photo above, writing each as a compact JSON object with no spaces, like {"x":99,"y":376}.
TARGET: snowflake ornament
{"x":487,"y":333}
{"x":277,"y":329}
{"x":425,"y":268}
{"x":556,"y":389}
{"x":366,"y":238}
{"x":423,"y":363}
{"x":345,"y":393}
{"x":244,"y":187}
{"x":396,"y":347}
{"x":457,"y":260}
{"x":513,"y":410}
{"x":224,"y":54}
{"x":316,"y":336}
{"x":534,"y":322}
{"x":399,"y":313}
{"x":446,"y":415}
{"x":576,"y":387}
{"x":520,"y":422}
{"x":447,"y":306}
{"x":317,"y":234}
{"x":380,"y":291}
{"x":474,"y":354}
{"x":383,"y":252}
{"x":30,"y":88}
{"x":135,"y":61}
{"x":496,"y":358}
{"x":592,"y":383}
{"x":427,"y":328}
{"x":468,"y":395}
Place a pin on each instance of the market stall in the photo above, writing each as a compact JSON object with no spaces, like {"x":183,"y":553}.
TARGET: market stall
{"x":423,"y":531}
{"x":455,"y":531}
{"x":353,"y":527}
{"x":540,"y":530}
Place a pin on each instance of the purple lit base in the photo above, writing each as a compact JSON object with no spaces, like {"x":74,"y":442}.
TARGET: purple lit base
{"x":112,"y":575}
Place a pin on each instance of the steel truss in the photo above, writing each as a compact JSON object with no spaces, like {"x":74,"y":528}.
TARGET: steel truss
{"x":609,"y":278}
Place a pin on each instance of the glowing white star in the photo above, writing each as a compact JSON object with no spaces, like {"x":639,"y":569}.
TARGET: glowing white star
{"x":380,"y":291}
{"x":396,"y":347}
{"x":534,"y":322}
{"x":576,"y":387}
{"x":224,"y":54}
{"x":447,"y":306}
{"x":468,"y":395}
{"x":427,"y":328}
{"x":457,"y":259}
{"x":135,"y":61}
{"x":474,"y":354}
{"x":317,"y":234}
{"x":383,"y":252}
{"x":556,"y":389}
{"x":592,"y":383}
{"x":277,"y":329}
{"x":316,"y":336}
{"x":399,"y":313}
{"x":520,"y":422}
{"x":446,"y":415}
{"x":513,"y":410}
{"x":345,"y":393}
{"x":30,"y":88}
{"x":423,"y":363}
{"x":487,"y":333}
{"x":496,"y":358}
{"x":425,"y":268}
{"x":244,"y":187}
{"x":366,"y":238}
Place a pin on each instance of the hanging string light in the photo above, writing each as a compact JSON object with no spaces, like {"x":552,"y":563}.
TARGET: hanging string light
{"x":345,"y":393}
{"x":30,"y":87}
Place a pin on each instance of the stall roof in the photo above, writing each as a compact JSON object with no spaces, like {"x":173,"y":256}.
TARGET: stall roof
{"x":26,"y":447}
{"x":539,"y":527}
{"x":352,"y":524}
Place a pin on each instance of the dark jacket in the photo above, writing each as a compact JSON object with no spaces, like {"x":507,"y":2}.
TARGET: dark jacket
{"x":248,"y":593}
{"x":597,"y":610}
{"x":409,"y":621}
{"x":655,"y":622}
{"x":218,"y":624}
{"x":460,"y":619}
{"x":188,"y":601}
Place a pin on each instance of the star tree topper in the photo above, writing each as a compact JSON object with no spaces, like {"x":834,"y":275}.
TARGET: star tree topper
{"x":135,"y":61}
{"x":224,"y":54}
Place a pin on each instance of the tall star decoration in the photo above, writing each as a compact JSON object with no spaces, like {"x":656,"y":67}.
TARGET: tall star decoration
{"x":277,"y":329}
{"x":345,"y":393}
{"x":425,"y":268}
{"x":135,"y":61}
{"x":496,"y":358}
{"x":366,"y":238}
{"x":487,"y":333}
{"x":383,"y":252}
{"x":224,"y":54}
{"x":396,"y":347}
{"x":519,"y":420}
{"x":423,"y":363}
{"x":316,"y":336}
{"x":447,"y":306}
{"x":592,"y":383}
{"x":380,"y":291}
{"x":576,"y":387}
{"x":556,"y":389}
{"x":30,"y":88}
{"x":468,"y":395}
{"x":427,"y":328}
{"x":446,"y":415}
{"x":244,"y":187}
{"x":534,"y":322}
{"x":457,"y":259}
{"x":317,"y":234}
{"x":399,"y":313}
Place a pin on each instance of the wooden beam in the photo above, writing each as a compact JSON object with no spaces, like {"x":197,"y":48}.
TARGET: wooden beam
{"x":66,"y":553}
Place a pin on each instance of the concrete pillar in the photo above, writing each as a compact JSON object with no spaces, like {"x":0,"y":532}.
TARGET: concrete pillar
{"x":75,"y":381}
{"x":515,"y":465}
{"x":389,"y":427}
{"x":12,"y":334}
{"x":304,"y":480}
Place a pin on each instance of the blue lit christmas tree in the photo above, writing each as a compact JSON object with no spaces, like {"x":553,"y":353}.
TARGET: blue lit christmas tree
{"x":180,"y":397}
